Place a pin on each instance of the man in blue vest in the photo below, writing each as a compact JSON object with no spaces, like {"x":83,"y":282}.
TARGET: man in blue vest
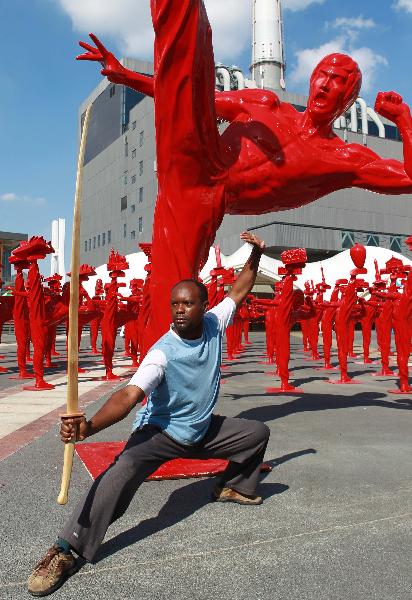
{"x":180,"y":375}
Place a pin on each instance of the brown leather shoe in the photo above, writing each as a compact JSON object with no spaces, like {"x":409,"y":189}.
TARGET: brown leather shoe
{"x":228,"y":495}
{"x":51,"y":572}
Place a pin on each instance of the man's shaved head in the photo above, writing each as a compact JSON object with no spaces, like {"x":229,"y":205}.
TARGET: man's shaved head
{"x":203,"y":295}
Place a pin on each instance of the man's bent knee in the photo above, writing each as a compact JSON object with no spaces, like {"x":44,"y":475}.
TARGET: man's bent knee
{"x":259,"y":432}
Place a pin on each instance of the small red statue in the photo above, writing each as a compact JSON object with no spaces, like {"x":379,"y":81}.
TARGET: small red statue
{"x":31,"y":251}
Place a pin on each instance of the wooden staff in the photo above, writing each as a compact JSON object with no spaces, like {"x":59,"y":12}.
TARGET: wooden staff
{"x":72,"y":346}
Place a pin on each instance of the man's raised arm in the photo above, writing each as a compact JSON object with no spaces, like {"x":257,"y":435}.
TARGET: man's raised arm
{"x":247,"y":277}
{"x":389,"y":175}
{"x":114,"y":70}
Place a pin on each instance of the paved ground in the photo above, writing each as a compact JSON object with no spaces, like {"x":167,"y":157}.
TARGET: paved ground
{"x":335,"y":523}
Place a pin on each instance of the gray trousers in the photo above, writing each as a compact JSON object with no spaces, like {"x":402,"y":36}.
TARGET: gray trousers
{"x":241,"y":441}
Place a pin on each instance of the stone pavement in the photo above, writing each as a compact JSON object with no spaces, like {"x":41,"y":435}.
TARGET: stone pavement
{"x":335,"y":523}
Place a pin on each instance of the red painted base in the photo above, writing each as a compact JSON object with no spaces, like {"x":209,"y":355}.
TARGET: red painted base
{"x":23,"y":376}
{"x":40,"y":387}
{"x":97,"y":456}
{"x":3,"y":370}
{"x":2,"y":356}
{"x":223,"y":367}
{"x":398,"y":391}
{"x":326,"y":368}
{"x":384,"y":373}
{"x":280,"y":390}
{"x":54,"y":353}
{"x":111,"y":377}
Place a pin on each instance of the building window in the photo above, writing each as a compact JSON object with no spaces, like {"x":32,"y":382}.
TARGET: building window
{"x":94,"y":242}
{"x":109,"y":236}
{"x":141,"y":138}
{"x":133,"y":235}
{"x":85,"y":246}
{"x":112,"y":91}
{"x":395,"y":244}
{"x":372,"y":240}
{"x":98,"y":241}
{"x":90,"y":244}
{"x":123,"y":203}
{"x":140,"y":224}
{"x":126,"y":147}
{"x":124,"y":230}
{"x":133,"y":178}
{"x":134,"y":125}
{"x":133,"y":208}
{"x":125,"y":177}
{"x":141,"y":167}
{"x":141,"y":194}
{"x":134,"y":153}
{"x":348,"y":239}
{"x":103,"y":239}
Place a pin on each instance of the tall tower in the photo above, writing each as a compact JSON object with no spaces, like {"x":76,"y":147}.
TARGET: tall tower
{"x":268,"y":59}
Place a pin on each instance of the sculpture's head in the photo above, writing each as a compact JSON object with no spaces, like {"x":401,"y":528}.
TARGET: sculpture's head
{"x":334,"y":86}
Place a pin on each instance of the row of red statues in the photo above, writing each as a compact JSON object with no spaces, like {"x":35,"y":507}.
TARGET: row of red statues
{"x":389,"y":307}
{"x":37,"y":311}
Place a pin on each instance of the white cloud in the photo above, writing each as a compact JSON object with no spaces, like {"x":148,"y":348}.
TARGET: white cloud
{"x":404,"y":4}
{"x":354,"y":22}
{"x":15,"y":198}
{"x":8,"y":197}
{"x":296,"y":5}
{"x":308,"y":58}
{"x":129,"y":22}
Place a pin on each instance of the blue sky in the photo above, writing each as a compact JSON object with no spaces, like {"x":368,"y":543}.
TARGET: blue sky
{"x":42,"y":85}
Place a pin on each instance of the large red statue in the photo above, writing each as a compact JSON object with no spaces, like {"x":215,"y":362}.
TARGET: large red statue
{"x":271,"y":157}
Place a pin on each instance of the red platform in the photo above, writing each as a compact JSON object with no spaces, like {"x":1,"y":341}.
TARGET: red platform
{"x":97,"y":456}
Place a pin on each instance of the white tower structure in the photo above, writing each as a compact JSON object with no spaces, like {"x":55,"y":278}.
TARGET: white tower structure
{"x":57,"y":258}
{"x":268,"y":59}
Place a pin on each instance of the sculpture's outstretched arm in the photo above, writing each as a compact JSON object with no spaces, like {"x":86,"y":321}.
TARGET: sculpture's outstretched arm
{"x":114,"y":70}
{"x":387,"y":175}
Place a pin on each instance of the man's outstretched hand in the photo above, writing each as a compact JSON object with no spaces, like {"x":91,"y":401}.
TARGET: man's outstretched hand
{"x":112,"y":68}
{"x":252,"y":239}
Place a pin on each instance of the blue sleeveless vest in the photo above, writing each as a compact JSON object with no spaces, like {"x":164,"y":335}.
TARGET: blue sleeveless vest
{"x":182,"y":404}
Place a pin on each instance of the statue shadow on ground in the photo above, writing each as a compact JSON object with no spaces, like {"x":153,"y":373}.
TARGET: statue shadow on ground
{"x":315,"y":402}
{"x":227,"y":375}
{"x":184,"y":502}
